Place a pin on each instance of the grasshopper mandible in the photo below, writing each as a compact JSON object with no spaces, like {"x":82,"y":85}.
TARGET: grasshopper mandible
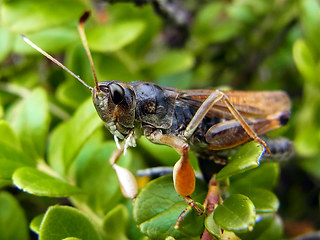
{"x":204,"y":120}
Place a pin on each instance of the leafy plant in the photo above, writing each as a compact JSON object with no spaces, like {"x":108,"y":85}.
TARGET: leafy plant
{"x":55,"y":174}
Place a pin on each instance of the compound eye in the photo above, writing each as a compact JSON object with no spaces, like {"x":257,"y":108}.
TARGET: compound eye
{"x":104,"y":88}
{"x":117,"y":93}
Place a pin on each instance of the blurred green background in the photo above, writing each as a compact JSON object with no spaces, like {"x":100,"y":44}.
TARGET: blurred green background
{"x":236,"y":44}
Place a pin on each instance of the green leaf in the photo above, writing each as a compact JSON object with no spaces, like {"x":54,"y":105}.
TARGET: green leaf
{"x":248,"y":157}
{"x":305,"y":61}
{"x":11,"y":159}
{"x":51,"y":40}
{"x":116,"y":67}
{"x":168,"y":238}
{"x":188,"y":225}
{"x":114,"y":37}
{"x":182,"y":80}
{"x":36,"y":222}
{"x":264,"y":200}
{"x":13,"y":223}
{"x":204,"y":17}
{"x":92,"y":168}
{"x":224,"y":32}
{"x":214,"y":23}
{"x":312,"y":166}
{"x":151,"y":21}
{"x":265,"y":176}
{"x":212,"y":227}
{"x":1,"y":109}
{"x":267,"y":227}
{"x":5,"y":183}
{"x":7,"y":168}
{"x":72,"y":238}
{"x":115,"y":223}
{"x":68,"y":138}
{"x":242,"y":13}
{"x":77,"y":61}
{"x":171,"y":63}
{"x":83,"y":123}
{"x":158,"y":206}
{"x":236,"y":213}
{"x":28,"y":16}
{"x":307,"y":139}
{"x":62,"y":222}
{"x":32,"y":123}
{"x":57,"y":142}
{"x":7,"y":135}
{"x":310,"y":20}
{"x":71,"y":94}
{"x":6,"y":43}
{"x":38,"y":183}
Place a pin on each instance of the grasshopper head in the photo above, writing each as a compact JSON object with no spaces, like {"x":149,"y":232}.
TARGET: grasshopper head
{"x":115,"y":104}
{"x":113,"y":100}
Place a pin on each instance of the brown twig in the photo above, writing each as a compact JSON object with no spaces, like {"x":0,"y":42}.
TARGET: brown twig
{"x":213,"y":199}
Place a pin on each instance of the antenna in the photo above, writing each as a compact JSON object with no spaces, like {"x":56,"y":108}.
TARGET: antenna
{"x":54,"y":60}
{"x":82,"y":20}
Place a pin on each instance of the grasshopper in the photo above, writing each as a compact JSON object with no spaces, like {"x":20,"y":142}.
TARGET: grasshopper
{"x":207,"y":121}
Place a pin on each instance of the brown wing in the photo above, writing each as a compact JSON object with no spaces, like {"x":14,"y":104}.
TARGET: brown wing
{"x":250,"y":104}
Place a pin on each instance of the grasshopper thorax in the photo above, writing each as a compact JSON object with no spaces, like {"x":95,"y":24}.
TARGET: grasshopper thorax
{"x":115,"y":103}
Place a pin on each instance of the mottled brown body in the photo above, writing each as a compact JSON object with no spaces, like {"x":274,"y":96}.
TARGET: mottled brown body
{"x":187,"y":119}
{"x":206,"y":121}
{"x":147,"y":107}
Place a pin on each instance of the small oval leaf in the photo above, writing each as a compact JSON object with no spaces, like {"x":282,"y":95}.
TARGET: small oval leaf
{"x":158,"y":206}
{"x":7,"y":135}
{"x":28,"y":16}
{"x":64,"y":145}
{"x":212,"y":227}
{"x":62,"y":222}
{"x":305,"y":61}
{"x":36,"y":222}
{"x":12,"y":159}
{"x":248,"y":157}
{"x":38,"y":183}
{"x":13,"y":223}
{"x":265,"y":176}
{"x":188,"y":225}
{"x":171,"y":63}
{"x":32,"y":123}
{"x":236,"y":213}
{"x":111,"y":225}
{"x":268,"y":226}
{"x":264,"y":200}
{"x":114,"y":37}
{"x":6,"y":44}
{"x":51,"y":40}
{"x":92,"y":168}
